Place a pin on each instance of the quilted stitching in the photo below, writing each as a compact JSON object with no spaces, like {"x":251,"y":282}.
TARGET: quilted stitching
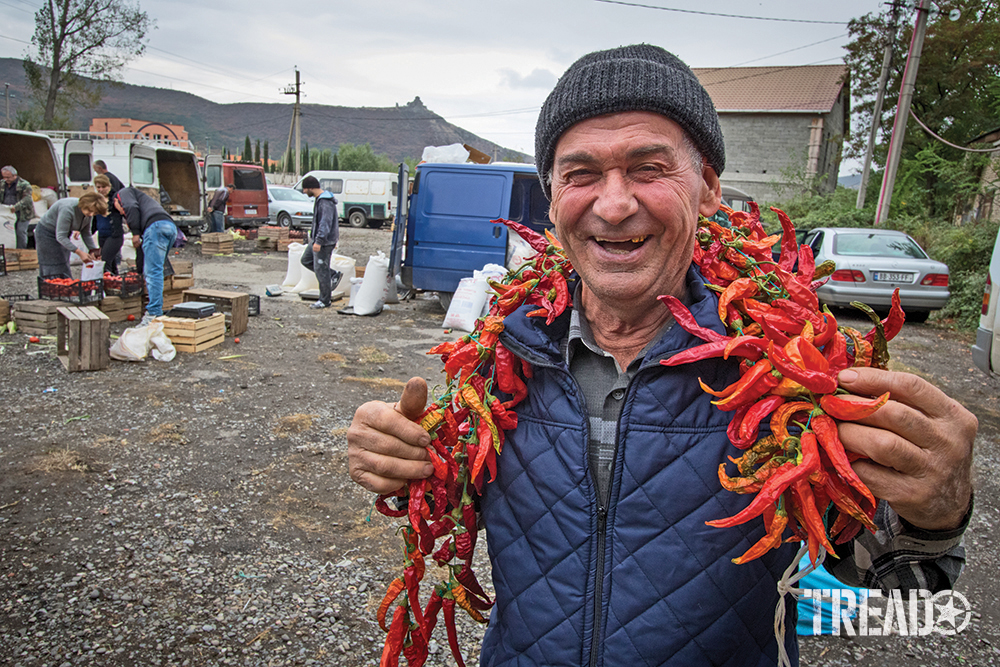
{"x":671,"y":594}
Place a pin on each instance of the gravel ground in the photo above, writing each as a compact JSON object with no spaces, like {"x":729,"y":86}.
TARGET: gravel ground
{"x":199,"y":512}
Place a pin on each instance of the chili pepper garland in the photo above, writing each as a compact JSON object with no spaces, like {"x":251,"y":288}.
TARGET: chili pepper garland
{"x":790,"y":353}
{"x":467,"y":424}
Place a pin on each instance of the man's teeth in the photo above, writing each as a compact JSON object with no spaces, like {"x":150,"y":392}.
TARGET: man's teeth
{"x":637,"y":239}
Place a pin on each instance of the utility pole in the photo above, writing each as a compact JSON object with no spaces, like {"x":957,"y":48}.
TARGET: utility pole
{"x":902,"y":112}
{"x":296,"y":115}
{"x":6,"y":95}
{"x":890,"y":43}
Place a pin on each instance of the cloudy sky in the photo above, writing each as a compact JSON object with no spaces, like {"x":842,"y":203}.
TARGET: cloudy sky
{"x":485,"y":66}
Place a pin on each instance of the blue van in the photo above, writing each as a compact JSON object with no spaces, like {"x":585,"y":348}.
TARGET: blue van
{"x":448,"y":232}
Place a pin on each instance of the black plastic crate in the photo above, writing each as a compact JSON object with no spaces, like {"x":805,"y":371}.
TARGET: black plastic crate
{"x":127,"y":284}
{"x":253,"y":307}
{"x":79,"y":292}
{"x":16,"y":297}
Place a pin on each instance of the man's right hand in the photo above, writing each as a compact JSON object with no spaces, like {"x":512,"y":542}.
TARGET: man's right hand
{"x":385,"y":446}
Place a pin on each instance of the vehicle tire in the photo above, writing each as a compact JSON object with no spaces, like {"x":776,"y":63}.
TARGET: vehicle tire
{"x":375,"y":224}
{"x":284,"y":219}
{"x":204,"y":227}
{"x":917,"y":316}
{"x":445,"y":299}
{"x":357,"y":219}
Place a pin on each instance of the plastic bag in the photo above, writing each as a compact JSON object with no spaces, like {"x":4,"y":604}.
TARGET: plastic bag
{"x":345,"y":266}
{"x":92,"y":271}
{"x":135,"y":344}
{"x":375,"y":286}
{"x":454,"y":153}
{"x":295,"y":251}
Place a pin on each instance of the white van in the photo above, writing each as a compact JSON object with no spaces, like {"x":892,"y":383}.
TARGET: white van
{"x":166,"y":172}
{"x":986,"y":351}
{"x":363,"y":197}
{"x":63,"y":167}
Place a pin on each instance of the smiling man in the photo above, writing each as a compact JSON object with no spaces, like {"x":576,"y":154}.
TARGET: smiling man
{"x":596,"y":518}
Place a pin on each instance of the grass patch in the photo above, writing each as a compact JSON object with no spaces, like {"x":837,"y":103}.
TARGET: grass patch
{"x":168,"y":433}
{"x":296,"y":423}
{"x":308,"y":335}
{"x":331,"y":356}
{"x":391,"y":383}
{"x":62,"y":460}
{"x":373,"y":355}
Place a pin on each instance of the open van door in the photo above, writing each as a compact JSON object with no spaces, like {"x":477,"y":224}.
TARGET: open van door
{"x":211,"y":175}
{"x":142,"y":170}
{"x":77,"y":164}
{"x":398,"y":287}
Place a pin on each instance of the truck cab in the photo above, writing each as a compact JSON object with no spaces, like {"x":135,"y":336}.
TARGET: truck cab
{"x":449,"y":233}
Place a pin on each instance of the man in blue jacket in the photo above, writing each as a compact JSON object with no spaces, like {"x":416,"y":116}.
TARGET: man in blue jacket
{"x":596,"y":518}
{"x":322,"y":240}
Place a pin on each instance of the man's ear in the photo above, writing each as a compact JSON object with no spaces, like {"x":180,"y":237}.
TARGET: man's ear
{"x":711,"y":194}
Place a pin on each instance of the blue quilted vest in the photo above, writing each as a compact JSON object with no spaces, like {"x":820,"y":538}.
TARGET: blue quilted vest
{"x":643,"y":581}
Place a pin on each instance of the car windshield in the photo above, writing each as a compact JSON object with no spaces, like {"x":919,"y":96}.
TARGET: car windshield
{"x":288,"y":195}
{"x":877,"y":245}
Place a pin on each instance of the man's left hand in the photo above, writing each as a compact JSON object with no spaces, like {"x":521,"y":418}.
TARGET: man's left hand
{"x":918,"y":447}
{"x":136,"y":240}
{"x":317,"y":247}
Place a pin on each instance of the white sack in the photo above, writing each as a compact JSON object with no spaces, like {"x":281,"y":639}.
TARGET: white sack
{"x":454,"y":153}
{"x":375,"y":286}
{"x":295,"y":251}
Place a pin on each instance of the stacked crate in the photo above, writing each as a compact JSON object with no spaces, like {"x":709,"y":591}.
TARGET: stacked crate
{"x":4,"y":312}
{"x":188,"y":334}
{"x":132,"y":305}
{"x":37,"y":317}
{"x":113,"y":307}
{"x":235,"y":306}
{"x":217,"y":243}
{"x":271,"y":238}
{"x":20,"y":260}
{"x":183,"y":277}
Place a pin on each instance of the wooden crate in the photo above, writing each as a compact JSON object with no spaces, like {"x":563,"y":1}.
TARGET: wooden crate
{"x":194,"y":335}
{"x":83,"y":338}
{"x":113,"y":307}
{"x":183,"y":267}
{"x":20,"y":260}
{"x":272,"y":232}
{"x":37,"y":317}
{"x":267,"y":244}
{"x":235,"y":305}
{"x":216,"y":243}
{"x":4,"y":311}
{"x":172,"y":297}
{"x":132,"y":305}
{"x":283,"y":244}
{"x":178,"y":282}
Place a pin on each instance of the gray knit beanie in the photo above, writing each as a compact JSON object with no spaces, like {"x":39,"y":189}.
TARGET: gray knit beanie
{"x":640,"y":77}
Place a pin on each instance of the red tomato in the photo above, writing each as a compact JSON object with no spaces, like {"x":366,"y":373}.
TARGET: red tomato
{"x":34,"y":339}
{"x":131,"y":318}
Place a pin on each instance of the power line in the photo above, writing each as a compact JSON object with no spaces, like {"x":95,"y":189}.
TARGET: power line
{"x":730,"y":16}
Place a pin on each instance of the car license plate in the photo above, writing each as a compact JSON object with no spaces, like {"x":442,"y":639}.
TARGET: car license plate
{"x":250,"y":211}
{"x":892,"y":277}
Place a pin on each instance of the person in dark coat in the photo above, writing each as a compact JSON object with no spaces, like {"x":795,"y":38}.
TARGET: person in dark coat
{"x":154,"y":231}
{"x":109,"y":228}
{"x":323,"y":239}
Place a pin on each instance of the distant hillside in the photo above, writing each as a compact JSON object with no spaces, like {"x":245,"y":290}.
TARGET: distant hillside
{"x":397,"y":132}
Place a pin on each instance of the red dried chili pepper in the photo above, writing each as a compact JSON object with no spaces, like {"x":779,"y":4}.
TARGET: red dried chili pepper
{"x":839,"y":407}
{"x":686,"y":320}
{"x":448,"y":611}
{"x":813,"y":521}
{"x":771,"y":540}
{"x":814,"y":380}
{"x":395,"y":588}
{"x":394,"y":640}
{"x":538,"y":242}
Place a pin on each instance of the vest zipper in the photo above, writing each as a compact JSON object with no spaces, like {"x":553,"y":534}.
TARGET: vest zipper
{"x":602,"y":524}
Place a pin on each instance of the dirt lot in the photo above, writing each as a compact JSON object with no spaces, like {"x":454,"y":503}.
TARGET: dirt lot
{"x":198,"y":512}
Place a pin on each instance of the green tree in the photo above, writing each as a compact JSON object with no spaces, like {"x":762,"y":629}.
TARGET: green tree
{"x":955,"y":95}
{"x":247,"y":150}
{"x":256,"y":152}
{"x":305,"y":157}
{"x":79,"y":39}
{"x":362,"y":158}
{"x":335,"y":165}
{"x":267,"y":157}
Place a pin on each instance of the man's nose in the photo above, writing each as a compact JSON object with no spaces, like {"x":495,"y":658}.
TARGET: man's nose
{"x":616,"y":202}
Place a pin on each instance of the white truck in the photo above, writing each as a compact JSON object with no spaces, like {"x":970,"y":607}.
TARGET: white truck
{"x":164,"y":170}
{"x":364,"y":198}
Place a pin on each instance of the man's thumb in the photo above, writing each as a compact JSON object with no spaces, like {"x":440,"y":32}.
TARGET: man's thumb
{"x":414,"y":399}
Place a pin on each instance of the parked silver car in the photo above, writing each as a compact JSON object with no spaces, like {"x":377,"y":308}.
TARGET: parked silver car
{"x":871,"y":263}
{"x":289,"y":207}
